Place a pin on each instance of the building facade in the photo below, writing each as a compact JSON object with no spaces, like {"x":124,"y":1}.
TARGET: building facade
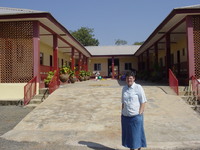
{"x":34,"y":42}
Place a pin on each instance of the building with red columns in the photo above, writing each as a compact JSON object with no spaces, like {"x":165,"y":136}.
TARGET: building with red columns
{"x":34,"y":42}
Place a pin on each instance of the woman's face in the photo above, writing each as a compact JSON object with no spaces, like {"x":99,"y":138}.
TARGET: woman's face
{"x":130,"y":80}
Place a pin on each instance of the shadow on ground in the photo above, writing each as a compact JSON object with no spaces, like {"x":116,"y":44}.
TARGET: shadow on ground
{"x":95,"y":146}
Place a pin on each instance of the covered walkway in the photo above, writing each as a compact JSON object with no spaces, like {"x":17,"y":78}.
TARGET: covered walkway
{"x":87,"y":115}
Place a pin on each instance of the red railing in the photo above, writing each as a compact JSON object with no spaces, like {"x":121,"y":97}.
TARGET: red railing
{"x":44,"y":71}
{"x":30,"y":90}
{"x":54,"y":84}
{"x":173,"y":82}
{"x":196,"y":87}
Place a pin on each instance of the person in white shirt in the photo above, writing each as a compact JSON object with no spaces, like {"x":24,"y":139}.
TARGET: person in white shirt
{"x":133,"y":105}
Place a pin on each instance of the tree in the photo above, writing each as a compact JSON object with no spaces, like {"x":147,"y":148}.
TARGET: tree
{"x":120,"y":42}
{"x":138,"y":43}
{"x":85,"y":36}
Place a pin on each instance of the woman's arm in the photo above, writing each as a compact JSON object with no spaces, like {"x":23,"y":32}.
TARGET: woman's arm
{"x":122,"y":105}
{"x":142,"y":108}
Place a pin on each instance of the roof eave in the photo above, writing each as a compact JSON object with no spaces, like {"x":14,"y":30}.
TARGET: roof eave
{"x":169,"y":17}
{"x":43,"y":15}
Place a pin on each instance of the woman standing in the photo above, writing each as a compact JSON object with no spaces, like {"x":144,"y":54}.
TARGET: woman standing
{"x":133,"y":104}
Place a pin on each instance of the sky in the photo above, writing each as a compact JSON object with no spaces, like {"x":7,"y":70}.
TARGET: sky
{"x":129,"y":20}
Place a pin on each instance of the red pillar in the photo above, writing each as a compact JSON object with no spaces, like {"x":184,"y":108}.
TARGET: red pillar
{"x":190,"y":46}
{"x":84,"y":68}
{"x":156,"y":53}
{"x":72,"y":59}
{"x":168,"y":53}
{"x":86,"y":63}
{"x":36,"y":50}
{"x":55,"y":51}
{"x":80,"y":61}
{"x":113,"y":64}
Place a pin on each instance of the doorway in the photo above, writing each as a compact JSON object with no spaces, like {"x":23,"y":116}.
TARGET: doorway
{"x":116,"y":67}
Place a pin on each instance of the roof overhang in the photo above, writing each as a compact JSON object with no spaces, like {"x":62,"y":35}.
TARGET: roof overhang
{"x":175,"y":19}
{"x":66,"y":40}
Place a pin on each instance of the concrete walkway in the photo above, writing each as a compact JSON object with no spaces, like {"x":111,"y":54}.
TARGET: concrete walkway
{"x":87,"y":114}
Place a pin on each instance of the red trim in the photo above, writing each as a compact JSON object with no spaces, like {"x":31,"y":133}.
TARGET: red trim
{"x":30,"y":90}
{"x":80,"y":62}
{"x":190,"y":46}
{"x":173,"y":81}
{"x":36,"y":50}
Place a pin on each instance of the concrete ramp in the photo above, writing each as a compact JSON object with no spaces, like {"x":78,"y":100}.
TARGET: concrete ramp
{"x":88,"y":114}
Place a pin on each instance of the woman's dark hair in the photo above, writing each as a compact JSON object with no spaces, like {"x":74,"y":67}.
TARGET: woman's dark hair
{"x":131,"y":73}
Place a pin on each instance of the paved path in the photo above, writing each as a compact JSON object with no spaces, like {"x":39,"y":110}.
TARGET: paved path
{"x":87,"y":114}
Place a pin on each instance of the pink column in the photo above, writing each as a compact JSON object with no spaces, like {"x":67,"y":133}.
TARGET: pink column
{"x":190,"y":46}
{"x":113,"y":64}
{"x":55,"y":51}
{"x":36,"y":50}
{"x":72,"y":59}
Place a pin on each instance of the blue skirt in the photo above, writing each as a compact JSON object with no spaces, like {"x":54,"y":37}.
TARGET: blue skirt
{"x":133,"y":135}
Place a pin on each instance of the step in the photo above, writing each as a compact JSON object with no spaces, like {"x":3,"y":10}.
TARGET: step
{"x":43,"y":90}
{"x":39,"y":96}
{"x":31,"y":106}
{"x":35,"y":101}
{"x":10,"y":102}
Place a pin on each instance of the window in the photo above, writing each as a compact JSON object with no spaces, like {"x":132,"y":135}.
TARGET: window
{"x":97,"y":67}
{"x":62,"y":61}
{"x":51,"y":60}
{"x":183,"y":51}
{"x":128,"y":66}
{"x":41,"y":58}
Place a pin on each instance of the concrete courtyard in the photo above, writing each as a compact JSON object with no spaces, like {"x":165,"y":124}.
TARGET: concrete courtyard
{"x":87,"y":114}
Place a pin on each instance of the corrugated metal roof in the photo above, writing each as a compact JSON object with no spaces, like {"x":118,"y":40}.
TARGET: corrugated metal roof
{"x":190,"y":7}
{"x":112,"y":50}
{"x":13,"y":11}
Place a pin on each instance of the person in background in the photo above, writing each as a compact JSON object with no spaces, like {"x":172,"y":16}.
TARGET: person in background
{"x":133,"y":105}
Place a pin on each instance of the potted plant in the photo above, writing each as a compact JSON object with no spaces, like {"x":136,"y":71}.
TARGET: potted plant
{"x":49,"y":78}
{"x":88,"y":74}
{"x":82,"y":75}
{"x":72,"y":76}
{"x":64,"y":73}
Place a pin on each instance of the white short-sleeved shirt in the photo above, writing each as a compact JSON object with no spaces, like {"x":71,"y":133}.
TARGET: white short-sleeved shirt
{"x":132,"y":98}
